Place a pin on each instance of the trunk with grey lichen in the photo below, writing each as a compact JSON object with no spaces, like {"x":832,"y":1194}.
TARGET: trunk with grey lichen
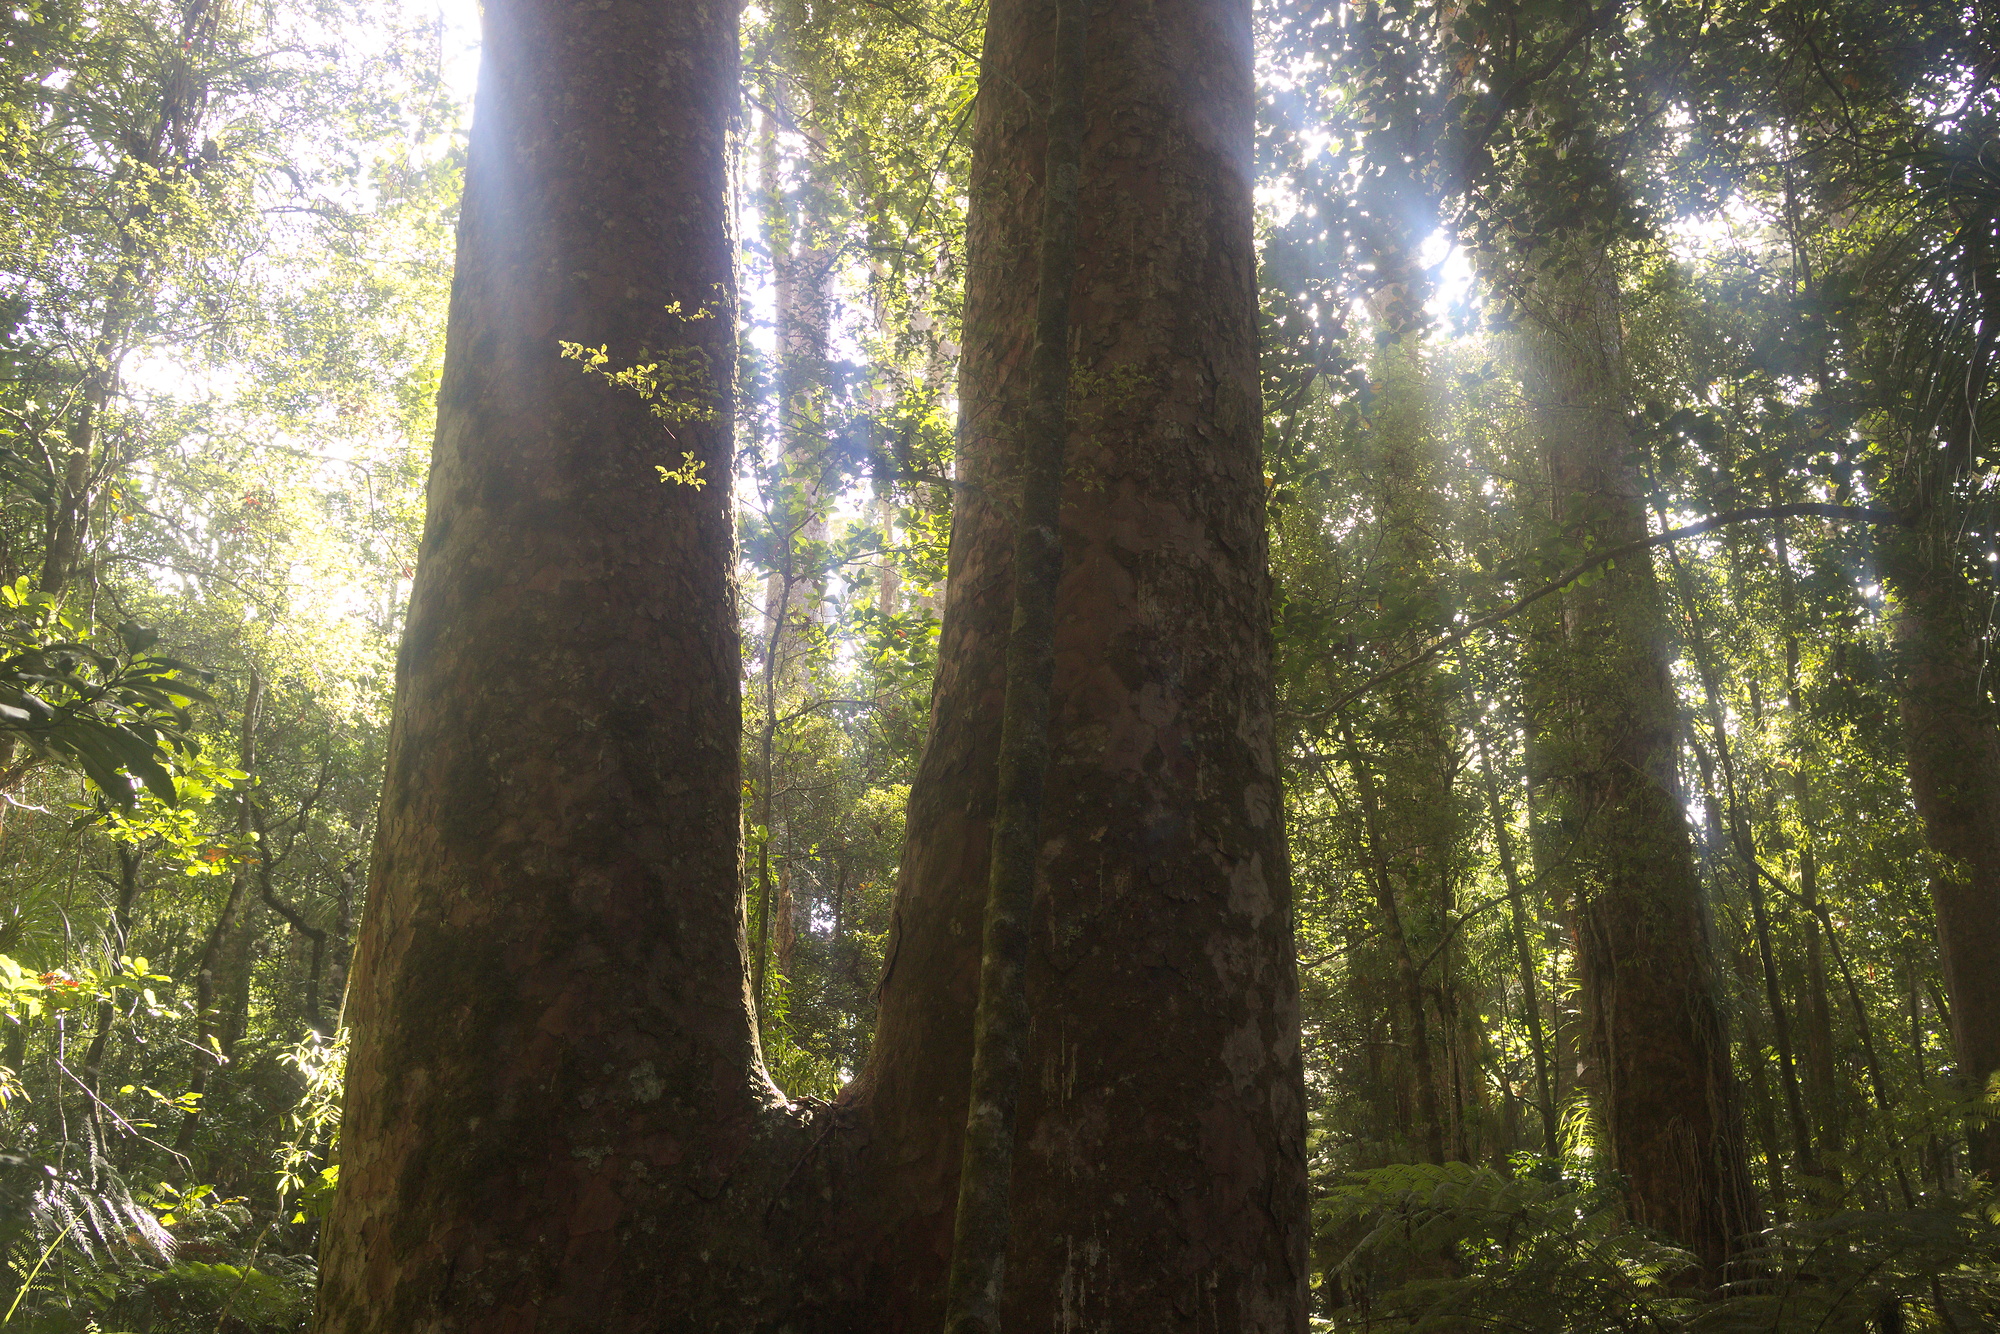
{"x":1158,"y":1164}
{"x":556,"y":1112}
{"x":1607,"y":733}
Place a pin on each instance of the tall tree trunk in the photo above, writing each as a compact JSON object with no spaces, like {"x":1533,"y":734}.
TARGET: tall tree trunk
{"x":981,"y":1228}
{"x":1744,"y":844}
{"x":1158,"y":1169}
{"x":1954,"y":759}
{"x":889,"y":591}
{"x":1877,"y":1084}
{"x":556,"y":1113}
{"x":1411,"y":815}
{"x":1644,"y":935}
{"x":1409,"y":979}
{"x":1823,"y":1073}
{"x":225,"y":952}
{"x":1524,"y":954}
{"x":1763,"y":1107}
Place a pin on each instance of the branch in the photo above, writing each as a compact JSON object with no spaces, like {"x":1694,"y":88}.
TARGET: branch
{"x":925,"y":30}
{"x":1507,"y":98}
{"x":1872,"y":514}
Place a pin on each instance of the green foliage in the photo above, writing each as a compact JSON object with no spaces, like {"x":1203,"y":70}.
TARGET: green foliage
{"x":25,"y":996}
{"x":306,"y":1162}
{"x":1454,"y":1247}
{"x":1458,"y":1247}
{"x":224,"y":257}
{"x":676,"y":385}
{"x":202,"y":1298}
{"x":1940,"y":1267}
{"x":225,"y":237}
{"x":102,"y":702}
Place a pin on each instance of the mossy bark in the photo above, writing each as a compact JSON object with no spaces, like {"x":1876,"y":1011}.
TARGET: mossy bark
{"x":1609,"y":736}
{"x":556,"y":1112}
{"x":1159,"y":1166}
{"x":976,"y":1285}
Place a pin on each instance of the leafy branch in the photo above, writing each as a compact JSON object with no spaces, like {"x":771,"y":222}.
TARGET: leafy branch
{"x":1871,"y":514}
{"x":107,"y":704}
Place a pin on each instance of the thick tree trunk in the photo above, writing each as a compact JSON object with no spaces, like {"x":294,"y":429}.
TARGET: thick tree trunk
{"x":557,"y":1117}
{"x":1159,"y":1172}
{"x":1954,"y":759}
{"x":1643,"y":930}
{"x":981,"y":1233}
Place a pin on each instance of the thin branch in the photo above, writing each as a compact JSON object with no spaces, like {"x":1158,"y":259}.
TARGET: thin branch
{"x":129,"y":1128}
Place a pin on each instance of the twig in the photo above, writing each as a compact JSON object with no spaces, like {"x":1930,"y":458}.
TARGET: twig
{"x":128,"y":1126}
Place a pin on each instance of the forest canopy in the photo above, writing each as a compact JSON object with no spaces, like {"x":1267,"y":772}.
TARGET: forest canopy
{"x":1316,"y":665}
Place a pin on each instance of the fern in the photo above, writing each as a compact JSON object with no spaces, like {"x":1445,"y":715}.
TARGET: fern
{"x":98,"y":1208}
{"x":1940,"y":1266}
{"x":1459,"y":1247}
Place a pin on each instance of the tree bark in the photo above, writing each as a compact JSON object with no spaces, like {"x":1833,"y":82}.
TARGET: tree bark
{"x":1953,"y":747}
{"x":557,"y":1116}
{"x":1644,"y":935}
{"x":1158,"y":1170}
{"x":976,"y":1284}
